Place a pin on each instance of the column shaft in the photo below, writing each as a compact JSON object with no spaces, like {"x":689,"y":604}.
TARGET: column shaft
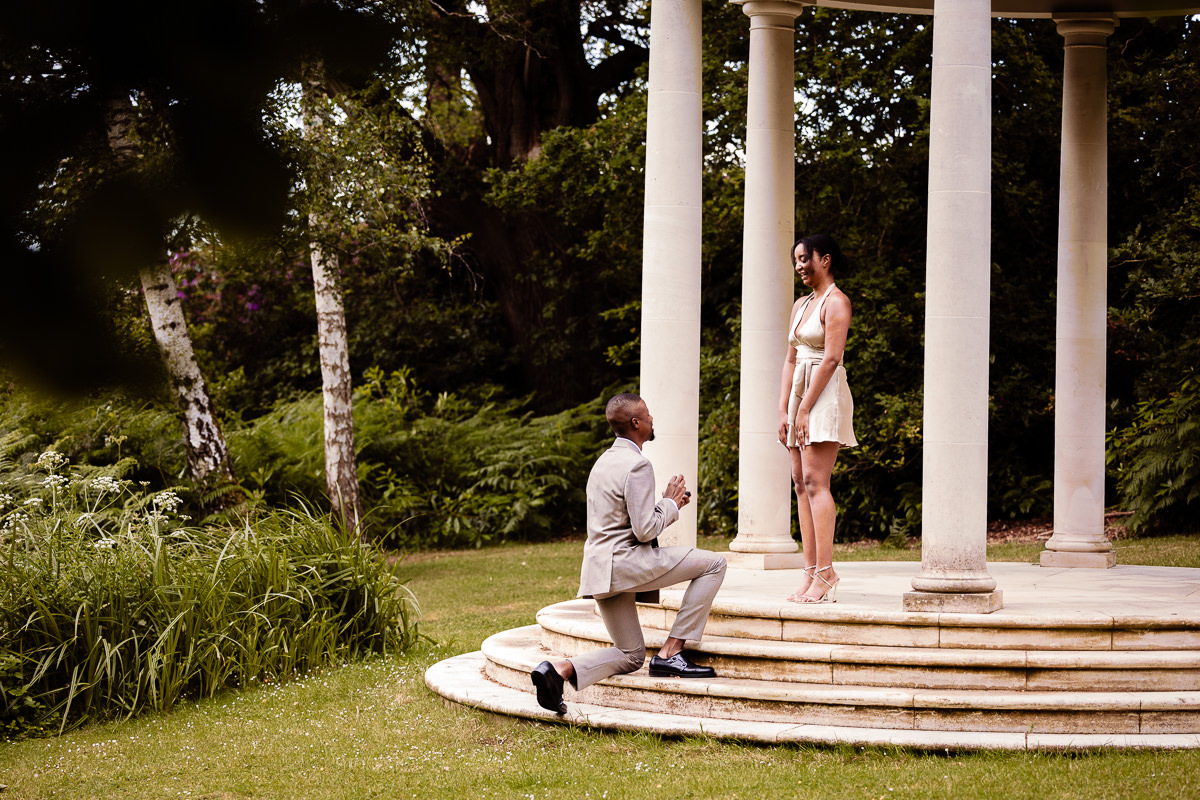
{"x":670,"y":333}
{"x":764,"y":474}
{"x":954,"y":574}
{"x":1080,"y":385}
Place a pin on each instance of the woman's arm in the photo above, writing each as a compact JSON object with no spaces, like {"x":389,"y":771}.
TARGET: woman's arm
{"x":789,"y":368}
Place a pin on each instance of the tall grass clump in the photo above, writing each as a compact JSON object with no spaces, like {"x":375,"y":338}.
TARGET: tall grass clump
{"x":110,"y":605}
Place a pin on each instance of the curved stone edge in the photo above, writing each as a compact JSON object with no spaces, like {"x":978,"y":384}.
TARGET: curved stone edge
{"x":511,"y":654}
{"x":462,"y":680}
{"x":829,"y":613}
{"x":573,"y":620}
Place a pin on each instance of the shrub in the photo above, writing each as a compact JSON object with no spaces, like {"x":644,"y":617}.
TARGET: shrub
{"x":717,"y":492}
{"x":1157,"y":459}
{"x":110,"y":606}
{"x":442,"y":471}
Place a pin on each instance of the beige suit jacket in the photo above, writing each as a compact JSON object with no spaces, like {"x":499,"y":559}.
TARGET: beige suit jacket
{"x":622,"y":519}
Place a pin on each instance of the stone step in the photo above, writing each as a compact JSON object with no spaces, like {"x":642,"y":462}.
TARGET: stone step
{"x":851,"y":624}
{"x":512,"y":654}
{"x":572,"y":627}
{"x":1124,"y":608}
{"x":463,"y":680}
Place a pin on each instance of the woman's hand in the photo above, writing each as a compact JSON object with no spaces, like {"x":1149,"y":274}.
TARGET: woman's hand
{"x":783,"y":428}
{"x":801,"y":427}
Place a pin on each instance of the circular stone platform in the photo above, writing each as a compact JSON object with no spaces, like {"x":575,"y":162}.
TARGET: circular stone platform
{"x":1076,"y":659}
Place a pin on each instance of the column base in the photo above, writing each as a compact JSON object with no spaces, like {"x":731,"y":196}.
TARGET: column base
{"x":1063,"y":558}
{"x":955,"y":603}
{"x":764,"y":561}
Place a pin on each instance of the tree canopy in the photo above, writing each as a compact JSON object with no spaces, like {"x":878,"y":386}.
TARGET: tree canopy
{"x":525,"y":123}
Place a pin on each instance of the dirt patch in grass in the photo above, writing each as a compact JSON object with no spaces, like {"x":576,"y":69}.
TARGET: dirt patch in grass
{"x":1020,"y":530}
{"x":1040,"y":529}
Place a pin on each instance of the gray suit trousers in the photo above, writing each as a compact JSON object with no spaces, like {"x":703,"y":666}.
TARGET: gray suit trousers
{"x":704,"y":569}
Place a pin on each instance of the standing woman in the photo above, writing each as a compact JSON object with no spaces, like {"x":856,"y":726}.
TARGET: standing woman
{"x":815,"y":407}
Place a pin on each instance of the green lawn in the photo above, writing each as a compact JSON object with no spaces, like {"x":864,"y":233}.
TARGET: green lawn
{"x":372,"y":729}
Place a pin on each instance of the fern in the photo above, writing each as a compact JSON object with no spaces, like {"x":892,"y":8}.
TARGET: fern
{"x":1158,"y":459}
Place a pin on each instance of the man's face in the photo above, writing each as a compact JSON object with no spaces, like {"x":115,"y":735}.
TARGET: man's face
{"x":645,"y":422}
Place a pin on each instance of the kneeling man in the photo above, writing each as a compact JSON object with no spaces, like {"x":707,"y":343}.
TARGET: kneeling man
{"x":622,"y":558}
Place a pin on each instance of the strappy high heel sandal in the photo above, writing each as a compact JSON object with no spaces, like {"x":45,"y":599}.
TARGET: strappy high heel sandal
{"x":830,"y":593}
{"x":795,"y":597}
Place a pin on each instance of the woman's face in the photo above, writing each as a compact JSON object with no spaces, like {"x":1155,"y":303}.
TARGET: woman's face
{"x":807,"y":264}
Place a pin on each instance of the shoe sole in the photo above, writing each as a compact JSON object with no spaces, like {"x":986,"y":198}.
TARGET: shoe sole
{"x":661,"y":674}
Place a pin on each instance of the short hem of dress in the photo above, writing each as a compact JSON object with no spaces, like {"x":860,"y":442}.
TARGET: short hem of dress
{"x":818,"y":441}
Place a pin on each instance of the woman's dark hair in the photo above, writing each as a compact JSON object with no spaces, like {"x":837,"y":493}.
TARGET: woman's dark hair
{"x":824,"y":244}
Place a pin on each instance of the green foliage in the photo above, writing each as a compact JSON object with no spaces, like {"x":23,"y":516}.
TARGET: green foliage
{"x":113,"y":432}
{"x":717,"y":493}
{"x":111,"y":606}
{"x":1154,"y":321}
{"x":1157,"y":459}
{"x":577,"y":291}
{"x":435,"y":471}
{"x":538,"y":184}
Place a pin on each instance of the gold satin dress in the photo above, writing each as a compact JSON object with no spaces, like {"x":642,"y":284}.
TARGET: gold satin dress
{"x":832,"y":416}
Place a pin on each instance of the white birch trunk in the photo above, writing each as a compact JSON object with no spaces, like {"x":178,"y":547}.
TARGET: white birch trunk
{"x":341,"y":472}
{"x":207,"y":453}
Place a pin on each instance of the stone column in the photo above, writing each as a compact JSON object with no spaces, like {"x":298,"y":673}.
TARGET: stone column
{"x":1079,"y":386}
{"x":764,"y":538}
{"x":954,"y":574}
{"x":670,"y":377}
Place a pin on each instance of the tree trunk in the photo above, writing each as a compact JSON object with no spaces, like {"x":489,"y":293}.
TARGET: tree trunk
{"x":207,"y":454}
{"x":341,"y":472}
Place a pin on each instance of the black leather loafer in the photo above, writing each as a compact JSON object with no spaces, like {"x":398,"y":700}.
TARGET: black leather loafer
{"x":678,"y":667}
{"x":549,"y":685}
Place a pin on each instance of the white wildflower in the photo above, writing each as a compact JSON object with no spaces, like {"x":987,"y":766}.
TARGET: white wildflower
{"x":6,"y":500}
{"x":56,"y":482}
{"x":167,"y":501}
{"x":51,"y":460}
{"x":15,"y":519}
{"x":105,"y":484}
{"x":105,"y":544}
{"x":33,"y":501}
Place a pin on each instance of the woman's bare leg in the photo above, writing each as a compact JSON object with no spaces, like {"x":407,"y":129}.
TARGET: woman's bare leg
{"x":808,"y":541}
{"x":817,"y":461}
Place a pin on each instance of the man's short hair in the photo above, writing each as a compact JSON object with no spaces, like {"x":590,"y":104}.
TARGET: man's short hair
{"x":620,"y":410}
